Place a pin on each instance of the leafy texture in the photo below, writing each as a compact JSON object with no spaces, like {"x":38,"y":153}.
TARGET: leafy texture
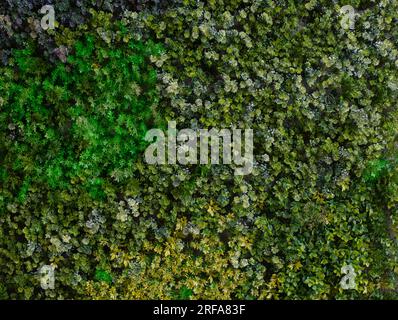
{"x":322,"y":101}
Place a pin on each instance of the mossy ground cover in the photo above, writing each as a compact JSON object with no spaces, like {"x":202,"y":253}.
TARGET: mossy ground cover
{"x":77,"y":194}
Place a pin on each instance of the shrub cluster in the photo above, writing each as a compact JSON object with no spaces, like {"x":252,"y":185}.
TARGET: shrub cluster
{"x":77,"y":194}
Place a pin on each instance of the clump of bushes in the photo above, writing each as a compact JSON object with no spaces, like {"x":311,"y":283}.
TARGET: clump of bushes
{"x":81,"y":121}
{"x":322,"y":103}
{"x":20,"y":20}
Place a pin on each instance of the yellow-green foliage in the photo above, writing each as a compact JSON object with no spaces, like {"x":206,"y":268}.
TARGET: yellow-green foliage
{"x":322,"y":102}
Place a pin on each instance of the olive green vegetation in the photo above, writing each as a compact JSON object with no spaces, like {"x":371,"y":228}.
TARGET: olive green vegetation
{"x":76,"y":192}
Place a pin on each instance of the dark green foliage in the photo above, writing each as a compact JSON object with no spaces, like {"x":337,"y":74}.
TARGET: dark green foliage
{"x":102,"y":275}
{"x":322,"y":101}
{"x":22,"y":19}
{"x":185,"y":293}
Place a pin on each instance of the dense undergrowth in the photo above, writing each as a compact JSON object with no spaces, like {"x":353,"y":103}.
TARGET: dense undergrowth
{"x":76,"y":193}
